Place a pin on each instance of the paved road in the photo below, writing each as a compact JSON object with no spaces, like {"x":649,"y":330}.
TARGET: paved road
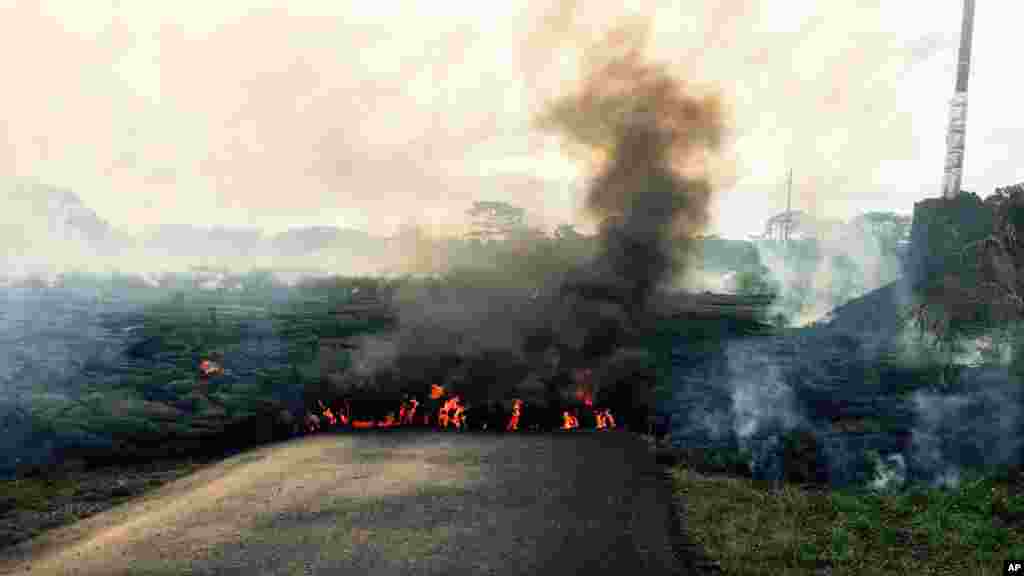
{"x":388,"y":502}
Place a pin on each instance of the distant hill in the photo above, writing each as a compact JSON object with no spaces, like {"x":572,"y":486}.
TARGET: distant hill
{"x":37,"y":215}
{"x":189,"y":240}
{"x":308,"y":240}
{"x":71,"y":220}
{"x":45,"y":230}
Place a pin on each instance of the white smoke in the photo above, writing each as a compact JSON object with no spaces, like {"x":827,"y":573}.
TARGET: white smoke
{"x":978,"y":428}
{"x":760,"y":395}
{"x":843,"y":261}
{"x":890,"y":473}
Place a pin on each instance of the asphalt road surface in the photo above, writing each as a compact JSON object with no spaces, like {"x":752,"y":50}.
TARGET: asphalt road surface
{"x":396,"y":502}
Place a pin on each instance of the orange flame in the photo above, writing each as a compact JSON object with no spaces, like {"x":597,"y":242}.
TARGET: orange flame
{"x":407,"y":413}
{"x":569,"y":421}
{"x":436,"y":392}
{"x":328,"y":414}
{"x":605,"y":420}
{"x":452,"y":412}
{"x":517,"y":411}
{"x":460,"y":416}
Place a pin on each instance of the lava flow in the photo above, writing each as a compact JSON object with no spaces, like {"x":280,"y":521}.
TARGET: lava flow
{"x":450,"y":414}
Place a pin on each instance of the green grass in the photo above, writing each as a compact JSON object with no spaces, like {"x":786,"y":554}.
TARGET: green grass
{"x":751,"y":529}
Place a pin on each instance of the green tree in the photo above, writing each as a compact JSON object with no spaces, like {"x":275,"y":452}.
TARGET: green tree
{"x":493,"y":221}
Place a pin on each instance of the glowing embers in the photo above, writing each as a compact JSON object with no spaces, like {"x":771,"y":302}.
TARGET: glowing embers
{"x":452,"y":412}
{"x":517,"y":411}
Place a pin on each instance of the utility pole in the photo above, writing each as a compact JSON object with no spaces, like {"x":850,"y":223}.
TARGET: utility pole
{"x":955,"y":137}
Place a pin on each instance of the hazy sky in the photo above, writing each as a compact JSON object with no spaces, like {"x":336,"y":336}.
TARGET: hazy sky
{"x":370,"y":114}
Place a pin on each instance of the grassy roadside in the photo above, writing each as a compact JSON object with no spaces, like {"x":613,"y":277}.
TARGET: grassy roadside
{"x":752,"y":529}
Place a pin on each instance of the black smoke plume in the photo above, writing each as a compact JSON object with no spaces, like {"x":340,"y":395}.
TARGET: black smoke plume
{"x":649,"y":139}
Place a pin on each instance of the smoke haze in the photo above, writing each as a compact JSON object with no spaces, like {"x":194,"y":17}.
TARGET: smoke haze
{"x":671,"y":120}
{"x":370,"y":117}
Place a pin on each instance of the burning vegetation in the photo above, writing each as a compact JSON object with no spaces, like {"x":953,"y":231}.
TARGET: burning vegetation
{"x":451,"y":415}
{"x":528,"y":347}
{"x":517,"y":411}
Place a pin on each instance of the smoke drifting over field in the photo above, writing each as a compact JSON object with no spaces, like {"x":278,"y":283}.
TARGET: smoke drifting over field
{"x":285,"y":115}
